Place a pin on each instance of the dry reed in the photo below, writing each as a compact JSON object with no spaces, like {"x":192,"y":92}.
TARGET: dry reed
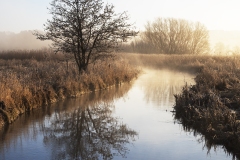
{"x":38,"y":78}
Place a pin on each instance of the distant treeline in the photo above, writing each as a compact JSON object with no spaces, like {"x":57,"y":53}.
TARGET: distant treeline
{"x":39,"y":55}
{"x":178,"y":36}
{"x":172,"y":36}
{"x":24,"y":40}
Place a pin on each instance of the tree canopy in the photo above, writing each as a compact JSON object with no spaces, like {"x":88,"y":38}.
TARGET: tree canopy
{"x":176,"y":36}
{"x":88,"y":29}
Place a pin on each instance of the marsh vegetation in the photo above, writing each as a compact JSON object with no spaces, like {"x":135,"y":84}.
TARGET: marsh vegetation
{"x":211,"y":106}
{"x":87,"y":36}
{"x":31,"y":79}
{"x":40,"y":78}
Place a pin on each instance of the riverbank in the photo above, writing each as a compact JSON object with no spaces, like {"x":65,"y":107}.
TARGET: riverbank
{"x":31,"y":79}
{"x":211,"y":106}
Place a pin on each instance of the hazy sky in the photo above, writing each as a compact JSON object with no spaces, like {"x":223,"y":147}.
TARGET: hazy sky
{"x":18,"y":15}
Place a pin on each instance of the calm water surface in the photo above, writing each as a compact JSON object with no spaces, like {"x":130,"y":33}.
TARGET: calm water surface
{"x":131,"y":121}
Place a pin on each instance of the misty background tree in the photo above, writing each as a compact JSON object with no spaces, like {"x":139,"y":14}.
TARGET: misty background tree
{"x":88,"y":29}
{"x":173,"y":36}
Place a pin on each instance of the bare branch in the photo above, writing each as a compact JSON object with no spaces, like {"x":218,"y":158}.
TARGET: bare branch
{"x":85,"y":28}
{"x":176,"y":36}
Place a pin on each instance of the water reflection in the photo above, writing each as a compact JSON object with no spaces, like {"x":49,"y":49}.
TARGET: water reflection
{"x":82,"y":128}
{"x":87,"y":133}
{"x":87,"y":127}
{"x":160,"y":85}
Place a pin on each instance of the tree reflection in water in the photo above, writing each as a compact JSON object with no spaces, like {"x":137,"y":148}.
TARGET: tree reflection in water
{"x":81,"y":128}
{"x":87,"y":133}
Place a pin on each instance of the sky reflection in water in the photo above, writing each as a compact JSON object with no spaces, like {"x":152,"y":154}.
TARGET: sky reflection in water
{"x":132,"y":121}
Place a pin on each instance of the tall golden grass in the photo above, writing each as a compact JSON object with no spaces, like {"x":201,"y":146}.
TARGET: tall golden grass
{"x":38,"y":78}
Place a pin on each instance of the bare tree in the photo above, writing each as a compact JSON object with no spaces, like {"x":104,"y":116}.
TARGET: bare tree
{"x":176,"y":36}
{"x":88,"y":29}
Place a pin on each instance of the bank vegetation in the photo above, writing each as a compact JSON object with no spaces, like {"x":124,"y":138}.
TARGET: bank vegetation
{"x":31,"y":79}
{"x":212,"y":105}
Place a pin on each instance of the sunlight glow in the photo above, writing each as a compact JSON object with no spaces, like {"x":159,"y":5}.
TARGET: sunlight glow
{"x":18,"y":15}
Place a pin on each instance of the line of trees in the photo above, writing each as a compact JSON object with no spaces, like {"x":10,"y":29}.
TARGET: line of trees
{"x":172,"y":36}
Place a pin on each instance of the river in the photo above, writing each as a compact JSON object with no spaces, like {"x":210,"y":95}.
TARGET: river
{"x":130,"y":121}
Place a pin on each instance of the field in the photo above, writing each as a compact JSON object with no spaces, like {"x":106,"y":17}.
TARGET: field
{"x":31,"y":79}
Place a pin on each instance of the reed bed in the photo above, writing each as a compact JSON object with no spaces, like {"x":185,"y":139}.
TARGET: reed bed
{"x":38,"y":78}
{"x":212,"y":105}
